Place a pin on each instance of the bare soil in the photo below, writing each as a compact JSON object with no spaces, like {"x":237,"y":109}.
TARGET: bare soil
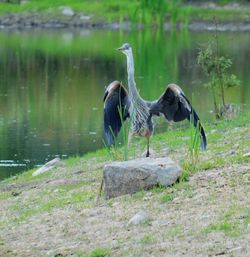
{"x":209,"y":215}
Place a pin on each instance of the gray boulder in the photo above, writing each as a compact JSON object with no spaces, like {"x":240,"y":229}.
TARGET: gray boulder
{"x":129,"y":177}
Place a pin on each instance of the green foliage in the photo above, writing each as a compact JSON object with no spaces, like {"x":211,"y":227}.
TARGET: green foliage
{"x":100,"y":252}
{"x":50,"y":199}
{"x":155,"y":12}
{"x":150,"y":11}
{"x":158,"y":189}
{"x":142,"y":11}
{"x":167,"y":197}
{"x":215,"y":67}
{"x":229,"y":223}
{"x":190,"y":164}
{"x":195,"y":140}
{"x":223,"y":226}
{"x":147,"y":239}
{"x":176,"y":231}
{"x":4,"y":195}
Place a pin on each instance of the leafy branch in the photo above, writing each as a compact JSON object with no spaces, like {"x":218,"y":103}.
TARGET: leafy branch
{"x":216,"y":68}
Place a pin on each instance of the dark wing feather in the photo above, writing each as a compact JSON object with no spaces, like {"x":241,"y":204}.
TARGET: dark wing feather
{"x":174,"y":105}
{"x":116,"y":106}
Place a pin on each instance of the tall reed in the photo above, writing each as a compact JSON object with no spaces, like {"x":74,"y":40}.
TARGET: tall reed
{"x":157,"y":12}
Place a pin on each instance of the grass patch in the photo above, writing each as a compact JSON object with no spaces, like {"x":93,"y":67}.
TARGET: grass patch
{"x":206,"y":165}
{"x":247,"y":219}
{"x":228,"y":228}
{"x":1,"y":242}
{"x":158,"y":189}
{"x":100,"y":252}
{"x":139,"y":195}
{"x":4,"y":195}
{"x":25,"y":177}
{"x":234,"y":222}
{"x":50,"y":199}
{"x":72,"y":161}
{"x":167,"y":198}
{"x":147,"y":239}
{"x":174,"y":232}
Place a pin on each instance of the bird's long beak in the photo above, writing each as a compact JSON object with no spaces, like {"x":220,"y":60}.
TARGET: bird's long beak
{"x":120,"y":49}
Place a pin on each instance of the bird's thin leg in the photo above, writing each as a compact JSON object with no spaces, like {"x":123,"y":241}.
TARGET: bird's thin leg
{"x":147,"y":154}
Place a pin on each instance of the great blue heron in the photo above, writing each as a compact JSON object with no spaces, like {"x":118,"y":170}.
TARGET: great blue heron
{"x":120,"y":105}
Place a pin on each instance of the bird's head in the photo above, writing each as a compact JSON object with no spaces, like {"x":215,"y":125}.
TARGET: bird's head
{"x":125,"y":48}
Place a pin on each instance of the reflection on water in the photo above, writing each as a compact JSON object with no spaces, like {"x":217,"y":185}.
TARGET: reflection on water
{"x":52,"y":84}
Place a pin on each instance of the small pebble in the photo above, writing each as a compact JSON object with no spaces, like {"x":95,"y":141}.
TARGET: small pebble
{"x":232,"y":152}
{"x":160,"y":223}
{"x":115,"y":204}
{"x":15,"y":193}
{"x":139,"y":218}
{"x":246,"y":155}
{"x":115,"y":244}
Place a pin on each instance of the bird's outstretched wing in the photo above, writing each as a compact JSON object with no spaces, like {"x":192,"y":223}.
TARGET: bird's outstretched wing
{"x":174,"y":105}
{"x":116,"y":110}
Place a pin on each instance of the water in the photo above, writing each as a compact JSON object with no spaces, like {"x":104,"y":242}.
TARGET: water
{"x":52,"y":84}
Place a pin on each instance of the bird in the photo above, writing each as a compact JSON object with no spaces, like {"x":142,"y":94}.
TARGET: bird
{"x":121,"y":104}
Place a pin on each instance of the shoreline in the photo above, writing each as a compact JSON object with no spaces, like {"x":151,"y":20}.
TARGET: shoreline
{"x":43,"y":20}
{"x":126,"y":26}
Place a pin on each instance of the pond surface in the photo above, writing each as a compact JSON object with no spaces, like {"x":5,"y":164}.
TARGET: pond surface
{"x":52,"y":84}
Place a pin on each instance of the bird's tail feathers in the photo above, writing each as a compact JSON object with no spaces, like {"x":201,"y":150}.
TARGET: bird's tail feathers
{"x":109,"y":135}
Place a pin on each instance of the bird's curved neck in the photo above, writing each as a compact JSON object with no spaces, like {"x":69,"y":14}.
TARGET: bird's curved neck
{"x":131,"y":77}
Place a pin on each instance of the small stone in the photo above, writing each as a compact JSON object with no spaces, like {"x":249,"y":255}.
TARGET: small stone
{"x":15,"y":193}
{"x":176,"y":200}
{"x":67,"y":11}
{"x":140,"y":218}
{"x":232,"y":152}
{"x":115,"y":244}
{"x":24,"y":2}
{"x":246,"y":155}
{"x":48,"y":166}
{"x":211,"y":5}
{"x":146,"y":198}
{"x":160,"y":223}
{"x":84,"y":17}
{"x":115,"y":204}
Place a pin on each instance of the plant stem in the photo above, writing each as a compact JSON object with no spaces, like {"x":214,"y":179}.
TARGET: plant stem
{"x":217,"y":64}
{"x":216,"y":109}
